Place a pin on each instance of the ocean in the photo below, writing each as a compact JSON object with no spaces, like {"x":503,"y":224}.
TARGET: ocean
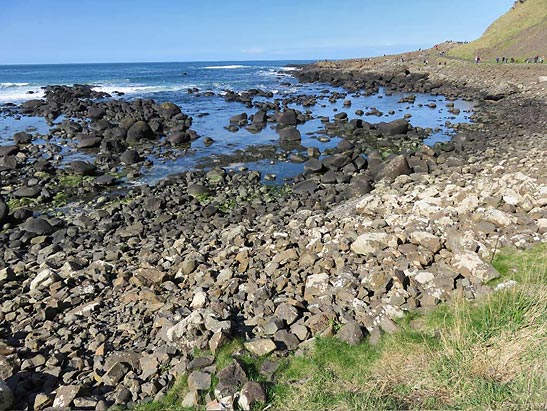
{"x":210,"y":112}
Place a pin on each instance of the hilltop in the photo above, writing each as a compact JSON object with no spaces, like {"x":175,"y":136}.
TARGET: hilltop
{"x":520,"y":33}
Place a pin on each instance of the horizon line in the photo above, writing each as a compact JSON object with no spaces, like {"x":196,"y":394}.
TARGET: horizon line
{"x":159,"y":62}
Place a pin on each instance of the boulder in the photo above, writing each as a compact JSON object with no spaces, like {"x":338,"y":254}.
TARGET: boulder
{"x":4,"y":212}
{"x":27,"y":192}
{"x":178,"y":138}
{"x":394,"y":127}
{"x":38,"y":226}
{"x":83,"y":168}
{"x":22,"y":138}
{"x":90,"y":142}
{"x":260,"y":117}
{"x":96,"y":113}
{"x":251,"y":394}
{"x":351,"y":333}
{"x":130,"y":156}
{"x":140,"y":131}
{"x":8,"y":150}
{"x":6,"y":397}
{"x":393,"y":168}
{"x":287,"y":118}
{"x":168,"y":110}
{"x":289,"y":133}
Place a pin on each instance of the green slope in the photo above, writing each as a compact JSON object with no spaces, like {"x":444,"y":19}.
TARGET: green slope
{"x":520,"y":33}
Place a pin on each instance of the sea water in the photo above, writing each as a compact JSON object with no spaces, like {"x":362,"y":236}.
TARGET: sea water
{"x":211,"y":113}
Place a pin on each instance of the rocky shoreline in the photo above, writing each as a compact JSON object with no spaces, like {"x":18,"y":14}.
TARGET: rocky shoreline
{"x":109,"y":304}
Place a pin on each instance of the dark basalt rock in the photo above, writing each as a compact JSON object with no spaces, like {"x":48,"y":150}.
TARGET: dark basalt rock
{"x":178,"y":138}
{"x":83,"y":168}
{"x":140,"y":131}
{"x":394,"y":127}
{"x":131,"y":156}
{"x":27,"y":192}
{"x":393,"y":168}
{"x":22,"y":138}
{"x":289,"y":133}
{"x":38,"y":226}
{"x":4,"y":211}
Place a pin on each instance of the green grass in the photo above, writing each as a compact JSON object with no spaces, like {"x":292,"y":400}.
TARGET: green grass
{"x":486,"y":354}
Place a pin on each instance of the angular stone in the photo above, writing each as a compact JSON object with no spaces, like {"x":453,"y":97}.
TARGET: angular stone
{"x":393,"y":168}
{"x":369,"y":243}
{"x":44,"y":279}
{"x":316,"y":284}
{"x":287,"y":312}
{"x":65,"y":395}
{"x":260,"y":347}
{"x":230,"y":380}
{"x":199,"y":381}
{"x":153,"y":275}
{"x":351,"y":333}
{"x":217,"y":341}
{"x":471,"y":266}
{"x":427,"y":240}
{"x":251,"y":394}
{"x":115,"y":374}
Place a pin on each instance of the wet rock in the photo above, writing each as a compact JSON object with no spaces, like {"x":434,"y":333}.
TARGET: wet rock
{"x":83,"y":168}
{"x":178,"y":138}
{"x":168,"y":110}
{"x":287,"y":118}
{"x":140,"y":131}
{"x":131,"y":156}
{"x":394,"y":127}
{"x":22,"y":138}
{"x":289,"y":134}
{"x":27,"y":192}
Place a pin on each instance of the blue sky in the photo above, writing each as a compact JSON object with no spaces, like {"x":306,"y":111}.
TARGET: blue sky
{"x":72,"y":31}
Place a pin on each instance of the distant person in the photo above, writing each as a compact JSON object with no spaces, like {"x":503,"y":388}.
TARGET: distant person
{"x":477,"y":59}
{"x":497,"y":60}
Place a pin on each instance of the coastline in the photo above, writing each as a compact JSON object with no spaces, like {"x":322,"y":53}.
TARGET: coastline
{"x":127,"y":292}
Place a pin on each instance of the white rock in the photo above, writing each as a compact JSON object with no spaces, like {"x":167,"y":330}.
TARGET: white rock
{"x":369,"y":243}
{"x":43,"y":279}
{"x":471,"y":266}
{"x":424,"y":277}
{"x":199,"y":300}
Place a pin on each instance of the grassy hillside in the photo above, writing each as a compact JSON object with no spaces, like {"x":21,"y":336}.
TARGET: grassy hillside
{"x":520,"y":33}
